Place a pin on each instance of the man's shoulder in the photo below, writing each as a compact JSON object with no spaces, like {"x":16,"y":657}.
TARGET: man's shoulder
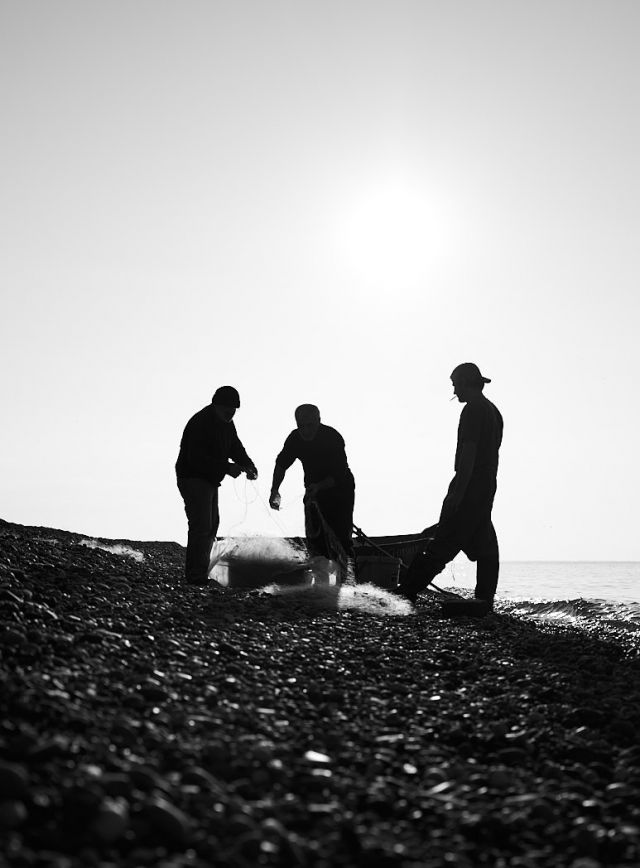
{"x":198,"y":415}
{"x":491,"y":407}
{"x":206,"y":417}
{"x":292,"y":440}
{"x":472,"y":408}
{"x":477,"y":411}
{"x":330,"y":432}
{"x":481,"y":404}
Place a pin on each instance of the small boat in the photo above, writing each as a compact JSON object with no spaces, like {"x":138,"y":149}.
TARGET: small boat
{"x":379,"y":558}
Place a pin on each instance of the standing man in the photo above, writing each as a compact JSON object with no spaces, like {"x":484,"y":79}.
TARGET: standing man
{"x":208,"y":442}
{"x":329,"y":484}
{"x":465,"y":520}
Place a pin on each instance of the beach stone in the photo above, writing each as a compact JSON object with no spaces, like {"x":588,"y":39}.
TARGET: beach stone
{"x":587,"y":837}
{"x":13,"y":813}
{"x":592,"y":717}
{"x":14,"y":781}
{"x":245,"y":848}
{"x":154,"y":692}
{"x":314,"y":756}
{"x":12,"y":636}
{"x":79,"y":806}
{"x":623,"y":731}
{"x":215,"y":757}
{"x":169,"y":823}
{"x":200,"y":778}
{"x":620,"y":790}
{"x":512,"y":756}
{"x":144,"y":778}
{"x":586,"y":862}
{"x":112,"y":820}
{"x":500,"y":779}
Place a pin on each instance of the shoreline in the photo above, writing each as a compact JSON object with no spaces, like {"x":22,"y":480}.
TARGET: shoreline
{"x":146,"y":723}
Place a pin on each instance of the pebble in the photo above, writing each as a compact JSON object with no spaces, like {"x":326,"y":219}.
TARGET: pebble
{"x":112,"y":820}
{"x":12,"y":813}
{"x":169,"y":824}
{"x":142,"y":725}
{"x":14,"y":781}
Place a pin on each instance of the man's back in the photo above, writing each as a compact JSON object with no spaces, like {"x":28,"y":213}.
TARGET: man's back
{"x":481,"y":423}
{"x":321,"y":457}
{"x":206,"y":445}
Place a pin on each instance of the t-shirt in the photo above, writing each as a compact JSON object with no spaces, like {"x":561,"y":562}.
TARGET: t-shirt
{"x":207,"y":445}
{"x":321,"y":457}
{"x":481,"y":423}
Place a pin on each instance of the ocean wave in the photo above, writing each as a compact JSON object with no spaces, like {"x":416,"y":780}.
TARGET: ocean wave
{"x":625,"y":616}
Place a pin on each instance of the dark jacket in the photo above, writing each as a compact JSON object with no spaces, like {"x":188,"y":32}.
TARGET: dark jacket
{"x":481,"y":423}
{"x":207,"y":445}
{"x":321,"y":457}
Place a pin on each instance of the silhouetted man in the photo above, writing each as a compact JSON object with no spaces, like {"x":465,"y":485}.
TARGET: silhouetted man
{"x":208,"y":442}
{"x":465,"y":520}
{"x":329,"y":483}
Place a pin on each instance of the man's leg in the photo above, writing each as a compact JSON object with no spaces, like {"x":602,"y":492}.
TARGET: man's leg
{"x":427,"y":564}
{"x":488,"y":567}
{"x":337,"y":511}
{"x":215,"y":524}
{"x":201,"y":507}
{"x":313,"y":531}
{"x":342,"y":524}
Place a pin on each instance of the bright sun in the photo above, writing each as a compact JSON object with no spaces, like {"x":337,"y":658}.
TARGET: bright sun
{"x":393,"y":234}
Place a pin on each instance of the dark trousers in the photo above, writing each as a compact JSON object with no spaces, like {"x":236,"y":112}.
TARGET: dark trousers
{"x":336,"y":508}
{"x":469,"y":530}
{"x":201,"y":506}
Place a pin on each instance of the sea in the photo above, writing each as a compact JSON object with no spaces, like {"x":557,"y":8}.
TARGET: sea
{"x":605,"y":593}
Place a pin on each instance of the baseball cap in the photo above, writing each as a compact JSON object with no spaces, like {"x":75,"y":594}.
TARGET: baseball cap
{"x":470,"y":372}
{"x":227,"y":396}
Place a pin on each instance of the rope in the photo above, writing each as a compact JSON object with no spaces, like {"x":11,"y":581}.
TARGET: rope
{"x":361,"y":535}
{"x":271,"y":513}
{"x":332,"y":541}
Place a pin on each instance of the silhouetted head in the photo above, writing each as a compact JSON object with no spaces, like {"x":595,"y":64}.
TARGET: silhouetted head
{"x":307,"y":420}
{"x":226,"y":401}
{"x":467,"y":381}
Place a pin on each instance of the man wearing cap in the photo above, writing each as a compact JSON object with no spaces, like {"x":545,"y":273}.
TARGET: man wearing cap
{"x":465,"y":519}
{"x":208,"y":442}
{"x":329,"y":485}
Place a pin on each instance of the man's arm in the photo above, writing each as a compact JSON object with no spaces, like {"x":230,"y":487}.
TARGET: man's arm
{"x":460,"y":482}
{"x":243,"y":463}
{"x":284,"y":459}
{"x":278,"y":477}
{"x":312,"y":489}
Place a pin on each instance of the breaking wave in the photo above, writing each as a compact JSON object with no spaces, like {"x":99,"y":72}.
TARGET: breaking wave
{"x":606,"y":613}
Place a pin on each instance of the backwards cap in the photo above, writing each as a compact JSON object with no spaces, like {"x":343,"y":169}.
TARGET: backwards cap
{"x":470,"y":372}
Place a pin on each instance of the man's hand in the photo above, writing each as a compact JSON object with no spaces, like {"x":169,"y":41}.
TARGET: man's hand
{"x":251,"y":470}
{"x":274,"y":500}
{"x":233,"y":470}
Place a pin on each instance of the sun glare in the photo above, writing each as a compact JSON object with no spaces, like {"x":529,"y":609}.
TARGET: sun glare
{"x":393,"y":233}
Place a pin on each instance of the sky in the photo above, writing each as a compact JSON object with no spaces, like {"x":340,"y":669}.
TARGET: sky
{"x":326,"y":202}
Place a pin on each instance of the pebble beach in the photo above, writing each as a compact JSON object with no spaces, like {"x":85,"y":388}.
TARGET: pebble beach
{"x":145,"y":723}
